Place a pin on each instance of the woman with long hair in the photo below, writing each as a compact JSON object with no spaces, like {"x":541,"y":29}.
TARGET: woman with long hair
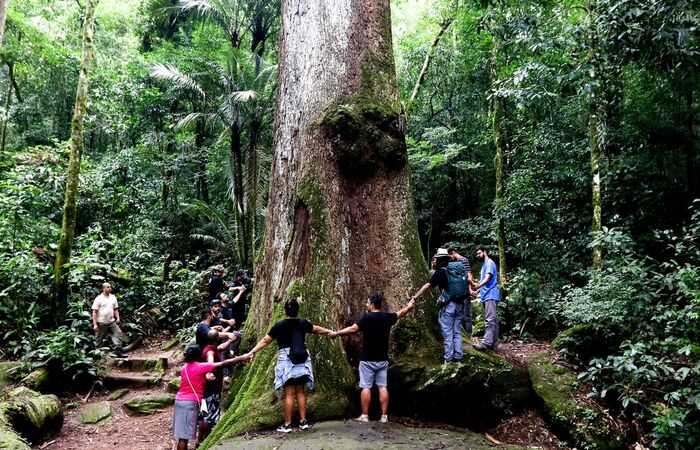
{"x":291,"y":376}
{"x":190,"y":395}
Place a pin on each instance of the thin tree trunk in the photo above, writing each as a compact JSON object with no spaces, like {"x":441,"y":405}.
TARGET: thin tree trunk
{"x":595,"y":142}
{"x":8,"y":102}
{"x":691,"y":177}
{"x":255,"y":128}
{"x":426,"y":62}
{"x":340,"y":220}
{"x":202,"y":184}
{"x":498,"y":109}
{"x":236,"y":167}
{"x":3,"y":17}
{"x":65,"y":245}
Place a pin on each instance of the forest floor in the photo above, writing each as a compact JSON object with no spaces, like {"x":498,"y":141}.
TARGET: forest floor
{"x":153,"y":432}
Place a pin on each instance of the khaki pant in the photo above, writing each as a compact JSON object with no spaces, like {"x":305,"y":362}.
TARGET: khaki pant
{"x":115,"y":334}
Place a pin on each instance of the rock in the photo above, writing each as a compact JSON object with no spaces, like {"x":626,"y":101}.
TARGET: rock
{"x":581,"y":424}
{"x":7,"y":369}
{"x":95,"y":413}
{"x":172,"y":343}
{"x":144,"y":364}
{"x":30,"y":414}
{"x":478,"y":392}
{"x":351,"y":435}
{"x":174,"y":385}
{"x":39,"y":380}
{"x":115,"y":381}
{"x":116,"y":395}
{"x":149,"y":404}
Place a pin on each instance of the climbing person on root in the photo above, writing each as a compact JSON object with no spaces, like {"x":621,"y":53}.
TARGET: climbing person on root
{"x":490,"y":296}
{"x":214,"y":384}
{"x":105,"y":319}
{"x":451,"y":278}
{"x":216,"y":282}
{"x":374,"y":360}
{"x":293,"y":369}
{"x":189,"y":397}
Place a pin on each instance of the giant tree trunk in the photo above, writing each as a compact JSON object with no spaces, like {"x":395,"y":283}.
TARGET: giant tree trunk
{"x":340,"y":221}
{"x":76,"y":149}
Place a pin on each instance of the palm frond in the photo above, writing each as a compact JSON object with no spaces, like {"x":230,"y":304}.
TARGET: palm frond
{"x":243,"y":96}
{"x":176,"y":77}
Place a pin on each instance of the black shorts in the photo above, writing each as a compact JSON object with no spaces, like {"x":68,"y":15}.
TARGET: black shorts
{"x":298,"y":381}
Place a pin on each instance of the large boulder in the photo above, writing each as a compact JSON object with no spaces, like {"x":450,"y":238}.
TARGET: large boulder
{"x":149,"y":404}
{"x":478,"y":392}
{"x":581,"y":423}
{"x":30,"y":414}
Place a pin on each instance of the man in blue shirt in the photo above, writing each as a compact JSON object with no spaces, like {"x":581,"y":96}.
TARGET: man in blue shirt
{"x":488,"y":284}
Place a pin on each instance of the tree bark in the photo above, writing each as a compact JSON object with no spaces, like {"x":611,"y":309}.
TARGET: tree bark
{"x":341,"y":222}
{"x":65,"y":244}
{"x":3,"y":17}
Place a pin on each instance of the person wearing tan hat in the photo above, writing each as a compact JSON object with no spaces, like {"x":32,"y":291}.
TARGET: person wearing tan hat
{"x":451,"y":310}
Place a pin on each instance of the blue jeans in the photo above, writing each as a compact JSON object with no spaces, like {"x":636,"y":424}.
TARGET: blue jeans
{"x":491,"y":319}
{"x":450,"y":320}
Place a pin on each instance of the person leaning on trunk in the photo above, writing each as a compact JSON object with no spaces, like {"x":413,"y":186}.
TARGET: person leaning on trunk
{"x":105,"y":317}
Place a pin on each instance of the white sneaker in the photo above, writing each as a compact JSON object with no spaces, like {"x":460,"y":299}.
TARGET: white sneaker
{"x":384,"y":419}
{"x":362,"y":418}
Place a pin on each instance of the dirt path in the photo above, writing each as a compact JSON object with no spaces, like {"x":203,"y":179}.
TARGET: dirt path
{"x":125,"y":431}
{"x":122,"y":431}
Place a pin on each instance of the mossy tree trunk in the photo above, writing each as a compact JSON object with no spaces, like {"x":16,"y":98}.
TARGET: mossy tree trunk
{"x":76,"y":149}
{"x":340,"y":222}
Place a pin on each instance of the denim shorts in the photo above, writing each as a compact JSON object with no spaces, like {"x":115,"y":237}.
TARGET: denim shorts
{"x":373,"y":372}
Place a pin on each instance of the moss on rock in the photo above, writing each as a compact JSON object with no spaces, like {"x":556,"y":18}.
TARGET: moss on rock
{"x":584,"y":341}
{"x":479,"y":392}
{"x":580,"y":423}
{"x":149,"y":404}
{"x":9,"y":440}
{"x":38,"y":380}
{"x":95,"y":413}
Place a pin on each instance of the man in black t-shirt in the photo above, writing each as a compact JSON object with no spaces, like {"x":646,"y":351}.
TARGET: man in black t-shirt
{"x":374,"y":360}
{"x":241,"y":285}
{"x":203,"y":328}
{"x":216,"y":282}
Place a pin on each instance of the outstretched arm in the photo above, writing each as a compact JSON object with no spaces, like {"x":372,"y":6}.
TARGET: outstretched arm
{"x":405,"y":310}
{"x":320,"y":330}
{"x":347,"y":330}
{"x":227,"y":362}
{"x":264,"y":342}
{"x":421,"y":291}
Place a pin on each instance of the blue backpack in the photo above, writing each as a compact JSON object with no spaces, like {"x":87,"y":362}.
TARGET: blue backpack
{"x":457,"y":286}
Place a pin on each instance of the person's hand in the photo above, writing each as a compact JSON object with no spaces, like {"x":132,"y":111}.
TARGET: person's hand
{"x":332,"y":334}
{"x":95,"y":327}
{"x":118,"y":320}
{"x":412,"y":302}
{"x":249,"y":357}
{"x":233,"y":337}
{"x":219,"y":328}
{"x":210,"y":376}
{"x":242,"y":289}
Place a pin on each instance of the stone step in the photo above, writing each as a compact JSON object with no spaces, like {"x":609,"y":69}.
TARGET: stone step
{"x":143,"y":364}
{"x":118,"y":380}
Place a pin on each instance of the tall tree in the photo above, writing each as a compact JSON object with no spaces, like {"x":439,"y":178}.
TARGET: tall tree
{"x":340,"y":204}
{"x":3,"y":17}
{"x":76,"y":150}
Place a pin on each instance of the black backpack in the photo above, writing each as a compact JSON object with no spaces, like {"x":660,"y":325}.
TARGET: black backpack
{"x":297,"y":352}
